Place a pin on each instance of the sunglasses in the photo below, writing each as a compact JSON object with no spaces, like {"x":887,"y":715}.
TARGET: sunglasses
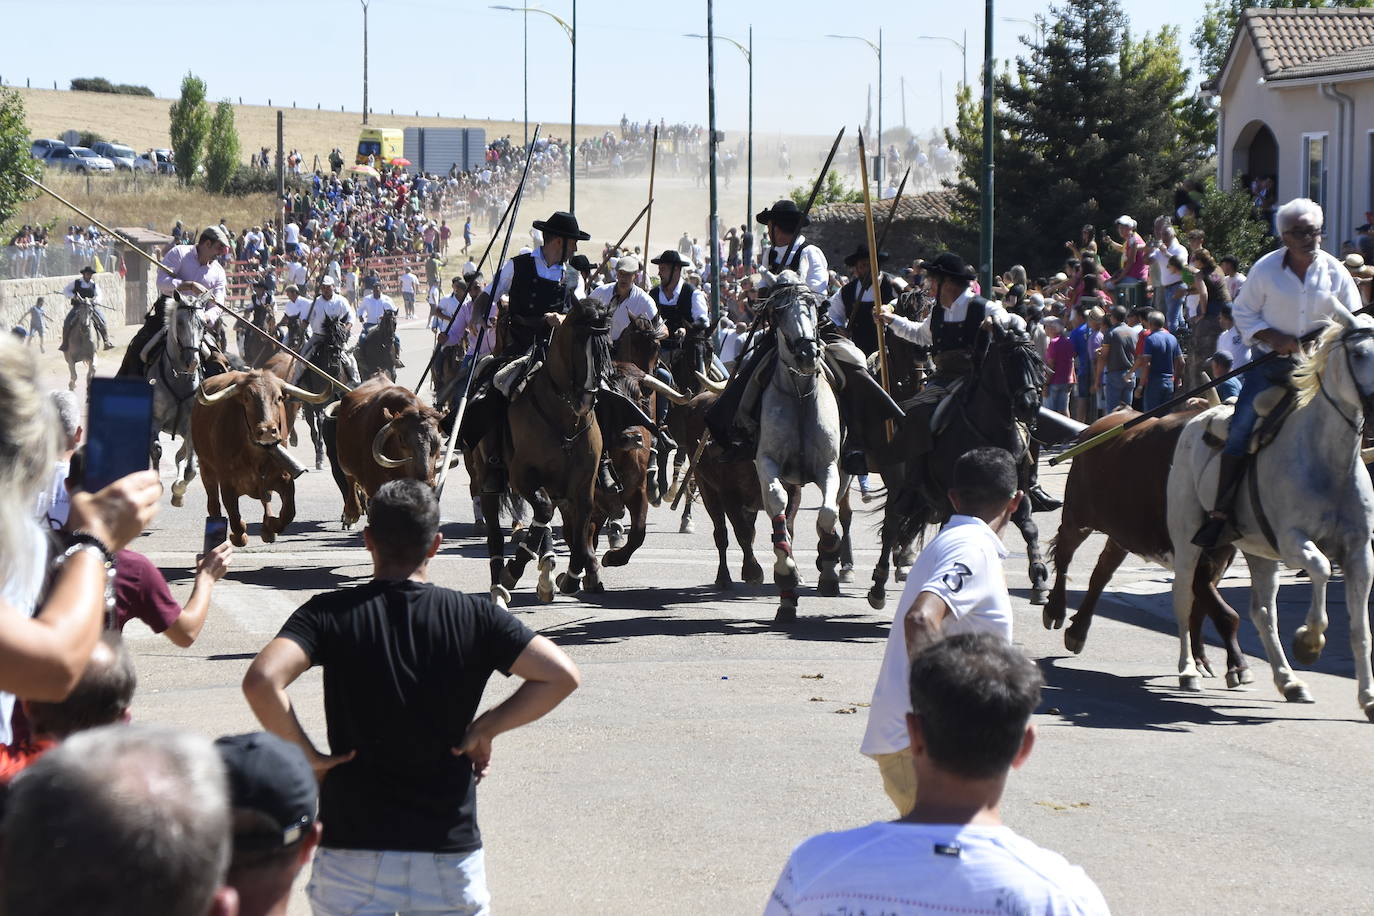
{"x":1304,"y":232}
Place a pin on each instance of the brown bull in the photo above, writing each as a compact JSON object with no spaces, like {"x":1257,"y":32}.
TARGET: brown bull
{"x":1120,"y":489}
{"x":238,"y":422}
{"x":384,"y":432}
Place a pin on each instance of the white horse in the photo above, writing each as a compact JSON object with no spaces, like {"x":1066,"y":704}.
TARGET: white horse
{"x":799,"y":439}
{"x":81,"y":342}
{"x":176,"y":376}
{"x":1314,"y":496}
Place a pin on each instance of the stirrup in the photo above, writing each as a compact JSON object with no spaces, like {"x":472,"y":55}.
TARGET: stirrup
{"x":1214,"y":533}
{"x":605,"y":479}
{"x":1042,"y":501}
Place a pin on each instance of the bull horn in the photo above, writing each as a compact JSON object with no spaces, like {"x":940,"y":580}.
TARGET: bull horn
{"x":717,"y":387}
{"x":309,"y":397}
{"x":332,"y":410}
{"x":667,"y":391}
{"x":377,"y":454}
{"x":209,"y":400}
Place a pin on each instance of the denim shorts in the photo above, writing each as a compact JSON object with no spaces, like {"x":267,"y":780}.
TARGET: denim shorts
{"x":364,"y":882}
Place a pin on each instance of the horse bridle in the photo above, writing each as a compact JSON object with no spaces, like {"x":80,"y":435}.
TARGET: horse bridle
{"x":793,"y":374}
{"x":1366,"y":398}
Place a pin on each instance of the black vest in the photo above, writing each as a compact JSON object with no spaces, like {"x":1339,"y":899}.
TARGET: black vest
{"x":83,"y":289}
{"x":677,"y":315}
{"x":793,"y":264}
{"x":531,"y":296}
{"x":858,"y":316}
{"x":960,"y":336}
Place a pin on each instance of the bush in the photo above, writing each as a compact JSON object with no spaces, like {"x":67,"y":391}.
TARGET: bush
{"x":100,"y":84}
{"x":1228,"y":222}
{"x":14,"y":156}
{"x":833,"y":191}
{"x":245,"y":181}
{"x":190,"y":117}
{"x":222,"y":149}
{"x":88,"y":138}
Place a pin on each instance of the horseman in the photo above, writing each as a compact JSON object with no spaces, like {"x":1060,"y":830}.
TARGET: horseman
{"x":327,"y":304}
{"x":789,"y":248}
{"x":297,"y":309}
{"x":681,"y":306}
{"x":85,"y":288}
{"x":852,"y":307}
{"x":371,"y":308}
{"x":1289,"y":293}
{"x":625,"y":300}
{"x":193,"y":269}
{"x":952,"y":333}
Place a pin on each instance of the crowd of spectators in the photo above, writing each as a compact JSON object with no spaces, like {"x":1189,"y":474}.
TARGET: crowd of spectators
{"x":33,"y":251}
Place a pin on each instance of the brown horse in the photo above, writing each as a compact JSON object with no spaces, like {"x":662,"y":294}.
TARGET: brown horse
{"x":257,"y":350}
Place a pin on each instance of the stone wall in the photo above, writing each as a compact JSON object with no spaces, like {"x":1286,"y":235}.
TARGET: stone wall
{"x":919,"y":229}
{"x":18,"y":296}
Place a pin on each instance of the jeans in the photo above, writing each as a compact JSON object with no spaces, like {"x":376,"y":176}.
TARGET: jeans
{"x":1158,"y":390}
{"x":1120,"y":389}
{"x":1058,"y":399}
{"x":1255,"y":380}
{"x":364,"y":882}
{"x":1171,"y":298}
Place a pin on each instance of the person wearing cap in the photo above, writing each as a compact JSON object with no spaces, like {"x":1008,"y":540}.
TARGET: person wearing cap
{"x":372,"y":307}
{"x":272,"y":800}
{"x":1135,"y":269}
{"x":851,"y":307}
{"x":625,"y":299}
{"x":84,"y":288}
{"x":583,"y":265}
{"x":328,"y":304}
{"x":192,"y":269}
{"x":789,"y":248}
{"x":447,"y":307}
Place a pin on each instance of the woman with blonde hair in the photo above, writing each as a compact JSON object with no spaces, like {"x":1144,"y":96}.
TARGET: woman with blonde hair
{"x":46,"y":637}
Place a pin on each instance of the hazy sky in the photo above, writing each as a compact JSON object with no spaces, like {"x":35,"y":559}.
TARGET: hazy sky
{"x":462,"y":58}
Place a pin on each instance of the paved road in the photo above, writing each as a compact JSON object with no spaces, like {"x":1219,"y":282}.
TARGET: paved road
{"x":704,"y":744}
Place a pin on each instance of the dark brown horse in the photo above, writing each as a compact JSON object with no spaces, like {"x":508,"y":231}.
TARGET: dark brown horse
{"x":378,"y":352}
{"x":257,"y":350}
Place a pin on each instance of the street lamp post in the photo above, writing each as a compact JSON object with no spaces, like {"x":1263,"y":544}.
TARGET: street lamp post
{"x":711,"y":128}
{"x":878,"y":50}
{"x":571,"y":32}
{"x":748,"y":53}
{"x":1039,"y":26}
{"x":961,"y":45}
{"x":985,"y":242}
{"x":364,"y":3}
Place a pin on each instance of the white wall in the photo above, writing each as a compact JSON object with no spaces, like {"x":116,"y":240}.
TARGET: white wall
{"x":18,"y":296}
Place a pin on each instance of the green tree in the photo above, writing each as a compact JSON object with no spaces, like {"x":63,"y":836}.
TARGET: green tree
{"x":190,"y":127}
{"x":1220,"y":18}
{"x":15,"y":161}
{"x":1227,"y":219}
{"x":833,"y":191}
{"x":222,"y":152}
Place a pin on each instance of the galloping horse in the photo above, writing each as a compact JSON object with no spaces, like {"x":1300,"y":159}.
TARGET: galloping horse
{"x":552,"y":448}
{"x":1307,"y":501}
{"x":687,"y":365}
{"x":257,"y":350}
{"x":799,"y":439}
{"x":329,"y":356}
{"x":176,"y":375}
{"x":992,"y":408}
{"x":81,"y":339}
{"x":378,"y":351}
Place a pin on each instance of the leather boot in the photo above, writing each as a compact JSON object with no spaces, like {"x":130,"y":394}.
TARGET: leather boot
{"x":1217,"y":531}
{"x":1040,"y":500}
{"x":605,"y":478}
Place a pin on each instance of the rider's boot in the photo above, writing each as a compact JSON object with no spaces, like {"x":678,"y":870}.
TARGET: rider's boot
{"x":1040,"y":500}
{"x":105,"y":336}
{"x":1217,"y":530}
{"x":605,"y":476}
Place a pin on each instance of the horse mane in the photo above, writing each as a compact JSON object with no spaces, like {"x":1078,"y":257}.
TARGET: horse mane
{"x":1307,"y":377}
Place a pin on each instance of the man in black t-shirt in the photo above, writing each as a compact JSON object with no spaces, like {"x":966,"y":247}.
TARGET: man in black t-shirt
{"x":405,"y":663}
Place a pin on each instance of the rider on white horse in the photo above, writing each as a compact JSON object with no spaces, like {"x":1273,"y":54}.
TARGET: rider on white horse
{"x":191,"y":269}
{"x":1288,"y":294}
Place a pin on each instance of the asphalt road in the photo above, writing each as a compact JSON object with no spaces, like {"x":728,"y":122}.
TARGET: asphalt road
{"x":704,"y":744}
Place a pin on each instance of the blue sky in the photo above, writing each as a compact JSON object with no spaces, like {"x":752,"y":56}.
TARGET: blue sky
{"x":462,"y":58}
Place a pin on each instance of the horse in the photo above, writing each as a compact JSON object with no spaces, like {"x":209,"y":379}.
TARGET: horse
{"x":329,"y":356}
{"x":992,"y":408}
{"x":257,"y":350}
{"x":799,"y":439}
{"x":552,"y":448}
{"x":1306,"y":501}
{"x":378,"y":351}
{"x":686,"y":364}
{"x":176,"y":375}
{"x":81,"y":339}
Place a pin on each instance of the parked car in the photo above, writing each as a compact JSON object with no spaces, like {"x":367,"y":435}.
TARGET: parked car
{"x":157,"y":161}
{"x":78,"y":159}
{"x":42,"y":149}
{"x":121,"y":155}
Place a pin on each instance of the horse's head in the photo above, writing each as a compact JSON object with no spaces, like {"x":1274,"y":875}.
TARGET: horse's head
{"x":1346,"y":379}
{"x":693,"y":356}
{"x":638,"y":343}
{"x":185,"y":332}
{"x":386,"y":325}
{"x":1013,"y":365}
{"x":794,"y":307}
{"x":583,"y":347}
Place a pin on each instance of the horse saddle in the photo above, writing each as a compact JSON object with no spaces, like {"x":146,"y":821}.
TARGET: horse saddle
{"x":1273,"y":405}
{"x":512,"y":378}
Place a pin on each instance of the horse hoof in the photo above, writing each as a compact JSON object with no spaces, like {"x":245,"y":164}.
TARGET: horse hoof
{"x":1190,"y":683}
{"x":900,"y":573}
{"x":593,"y":587}
{"x":1369,"y":711}
{"x":786,"y":614}
{"x":1039,"y":596}
{"x":846,"y":574}
{"x":877,"y":597}
{"x":544,"y":590}
{"x":1075,"y":643}
{"x":239,"y":540}
{"x":828,"y":587}
{"x":568,"y":584}
{"x":1297,"y":692}
{"x":752,"y":574}
{"x":1053,"y":619}
{"x":1233,"y":678}
{"x":687,"y":527}
{"x":723,"y":581}
{"x":1308,"y":645}
{"x":501,"y":596}
{"x":269,"y":535}
{"x":617,"y":557}
{"x":1246,"y":676}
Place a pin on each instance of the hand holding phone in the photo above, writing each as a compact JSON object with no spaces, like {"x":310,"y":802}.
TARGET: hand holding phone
{"x":119,"y":430}
{"x":216,"y":533}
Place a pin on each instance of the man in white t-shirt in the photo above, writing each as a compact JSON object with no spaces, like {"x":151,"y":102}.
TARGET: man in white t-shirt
{"x":972,"y":695}
{"x":408,"y":281}
{"x":627,"y":299}
{"x":955,"y":586}
{"x":328,"y":304}
{"x":296,"y":273}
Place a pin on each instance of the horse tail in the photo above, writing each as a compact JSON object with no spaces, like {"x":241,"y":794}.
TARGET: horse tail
{"x":907,"y":514}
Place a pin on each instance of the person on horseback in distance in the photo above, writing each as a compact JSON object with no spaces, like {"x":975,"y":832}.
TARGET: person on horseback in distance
{"x":85,"y":288}
{"x":951,"y":332}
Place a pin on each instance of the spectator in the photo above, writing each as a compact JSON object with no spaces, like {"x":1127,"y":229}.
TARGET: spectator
{"x":272,"y":798}
{"x":1059,"y":360}
{"x":1212,"y":292}
{"x":1160,"y":363}
{"x":54,"y":503}
{"x":1134,"y":268}
{"x":1170,"y":258}
{"x":956,"y":586}
{"x":971,"y":698}
{"x":1230,"y":341}
{"x":1218,"y":365}
{"x":119,"y":820}
{"x":38,"y":326}
{"x":1116,"y":361}
{"x":408,"y":281}
{"x":405,"y":663}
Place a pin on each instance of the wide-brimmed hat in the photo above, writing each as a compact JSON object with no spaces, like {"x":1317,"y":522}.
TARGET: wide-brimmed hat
{"x":88,"y":269}
{"x":562,"y":224}
{"x":785,"y":211}
{"x":672,"y":258}
{"x":1357,"y":267}
{"x":951,"y":265}
{"x":580,"y":263}
{"x":861,"y":254}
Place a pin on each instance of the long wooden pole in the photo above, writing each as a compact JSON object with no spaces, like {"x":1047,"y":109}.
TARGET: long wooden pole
{"x":162,"y":267}
{"x":649,"y":221}
{"x":892,"y":212}
{"x":875,"y":279}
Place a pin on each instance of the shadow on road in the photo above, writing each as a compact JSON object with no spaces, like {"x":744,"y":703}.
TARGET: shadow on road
{"x":591,"y":631}
{"x":296,"y":578}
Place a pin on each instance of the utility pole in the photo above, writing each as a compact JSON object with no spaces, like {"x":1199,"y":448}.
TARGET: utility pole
{"x":281,"y":181}
{"x":572,"y":151}
{"x":365,"y":3}
{"x":526,"y":16}
{"x":711,"y":127}
{"x":985,"y":242}
{"x":903,"y":79}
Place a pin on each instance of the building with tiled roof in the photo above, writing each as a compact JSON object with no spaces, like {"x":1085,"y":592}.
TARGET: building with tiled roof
{"x":1297,"y":105}
{"x":918,"y":229}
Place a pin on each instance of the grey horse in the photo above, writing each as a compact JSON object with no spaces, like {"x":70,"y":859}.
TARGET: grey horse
{"x":176,"y":375}
{"x":81,"y":339}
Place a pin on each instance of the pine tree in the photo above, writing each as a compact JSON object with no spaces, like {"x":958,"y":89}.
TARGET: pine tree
{"x":222,"y":152}
{"x":190,"y":126}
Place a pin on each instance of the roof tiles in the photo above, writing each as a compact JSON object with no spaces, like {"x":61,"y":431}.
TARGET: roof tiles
{"x":1299,"y":43}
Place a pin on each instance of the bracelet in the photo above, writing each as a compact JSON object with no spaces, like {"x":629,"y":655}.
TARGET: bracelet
{"x":87,"y":542}
{"x":85,"y":537}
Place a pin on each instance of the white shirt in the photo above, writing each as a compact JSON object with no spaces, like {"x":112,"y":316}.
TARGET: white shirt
{"x":334,"y":307}
{"x":1231,"y":342}
{"x":55,"y":503}
{"x":701,"y":309}
{"x":1275,"y":297}
{"x":914,"y":869}
{"x":408,"y":281}
{"x":463,"y":329}
{"x":962,"y":566}
{"x":636,"y":305}
{"x":185,"y":266}
{"x":370,"y":309}
{"x":836,"y":310}
{"x":1234,"y":284}
{"x":296,"y":275}
{"x":731,"y":346}
{"x":501,"y":285}
{"x":445,"y":309}
{"x":292,"y":233}
{"x":1168,"y":275}
{"x":920,"y":334}
{"x":297,"y":308}
{"x":70,"y":290}
{"x":813,"y":268}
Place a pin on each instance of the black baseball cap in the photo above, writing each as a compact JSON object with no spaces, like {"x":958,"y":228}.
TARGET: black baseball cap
{"x":271,"y":777}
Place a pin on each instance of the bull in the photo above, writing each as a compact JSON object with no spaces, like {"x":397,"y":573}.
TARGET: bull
{"x":238,"y":424}
{"x":382,"y":432}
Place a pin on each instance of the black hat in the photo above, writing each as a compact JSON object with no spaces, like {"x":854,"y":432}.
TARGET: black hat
{"x":951,"y":265}
{"x":671,"y":258}
{"x":1365,"y":228}
{"x":861,"y":254}
{"x":562,"y":224}
{"x":88,"y":269}
{"x":783,"y":212}
{"x":580,"y":263}
{"x":271,"y":777}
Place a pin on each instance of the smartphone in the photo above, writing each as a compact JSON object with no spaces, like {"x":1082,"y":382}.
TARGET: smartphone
{"x":216,"y":532}
{"x":119,"y":430}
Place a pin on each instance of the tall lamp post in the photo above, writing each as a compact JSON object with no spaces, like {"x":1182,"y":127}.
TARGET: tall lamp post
{"x":364,"y":3}
{"x":985,"y":233}
{"x":571,"y":31}
{"x":961,"y":45}
{"x":748,"y":53}
{"x":878,"y":50}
